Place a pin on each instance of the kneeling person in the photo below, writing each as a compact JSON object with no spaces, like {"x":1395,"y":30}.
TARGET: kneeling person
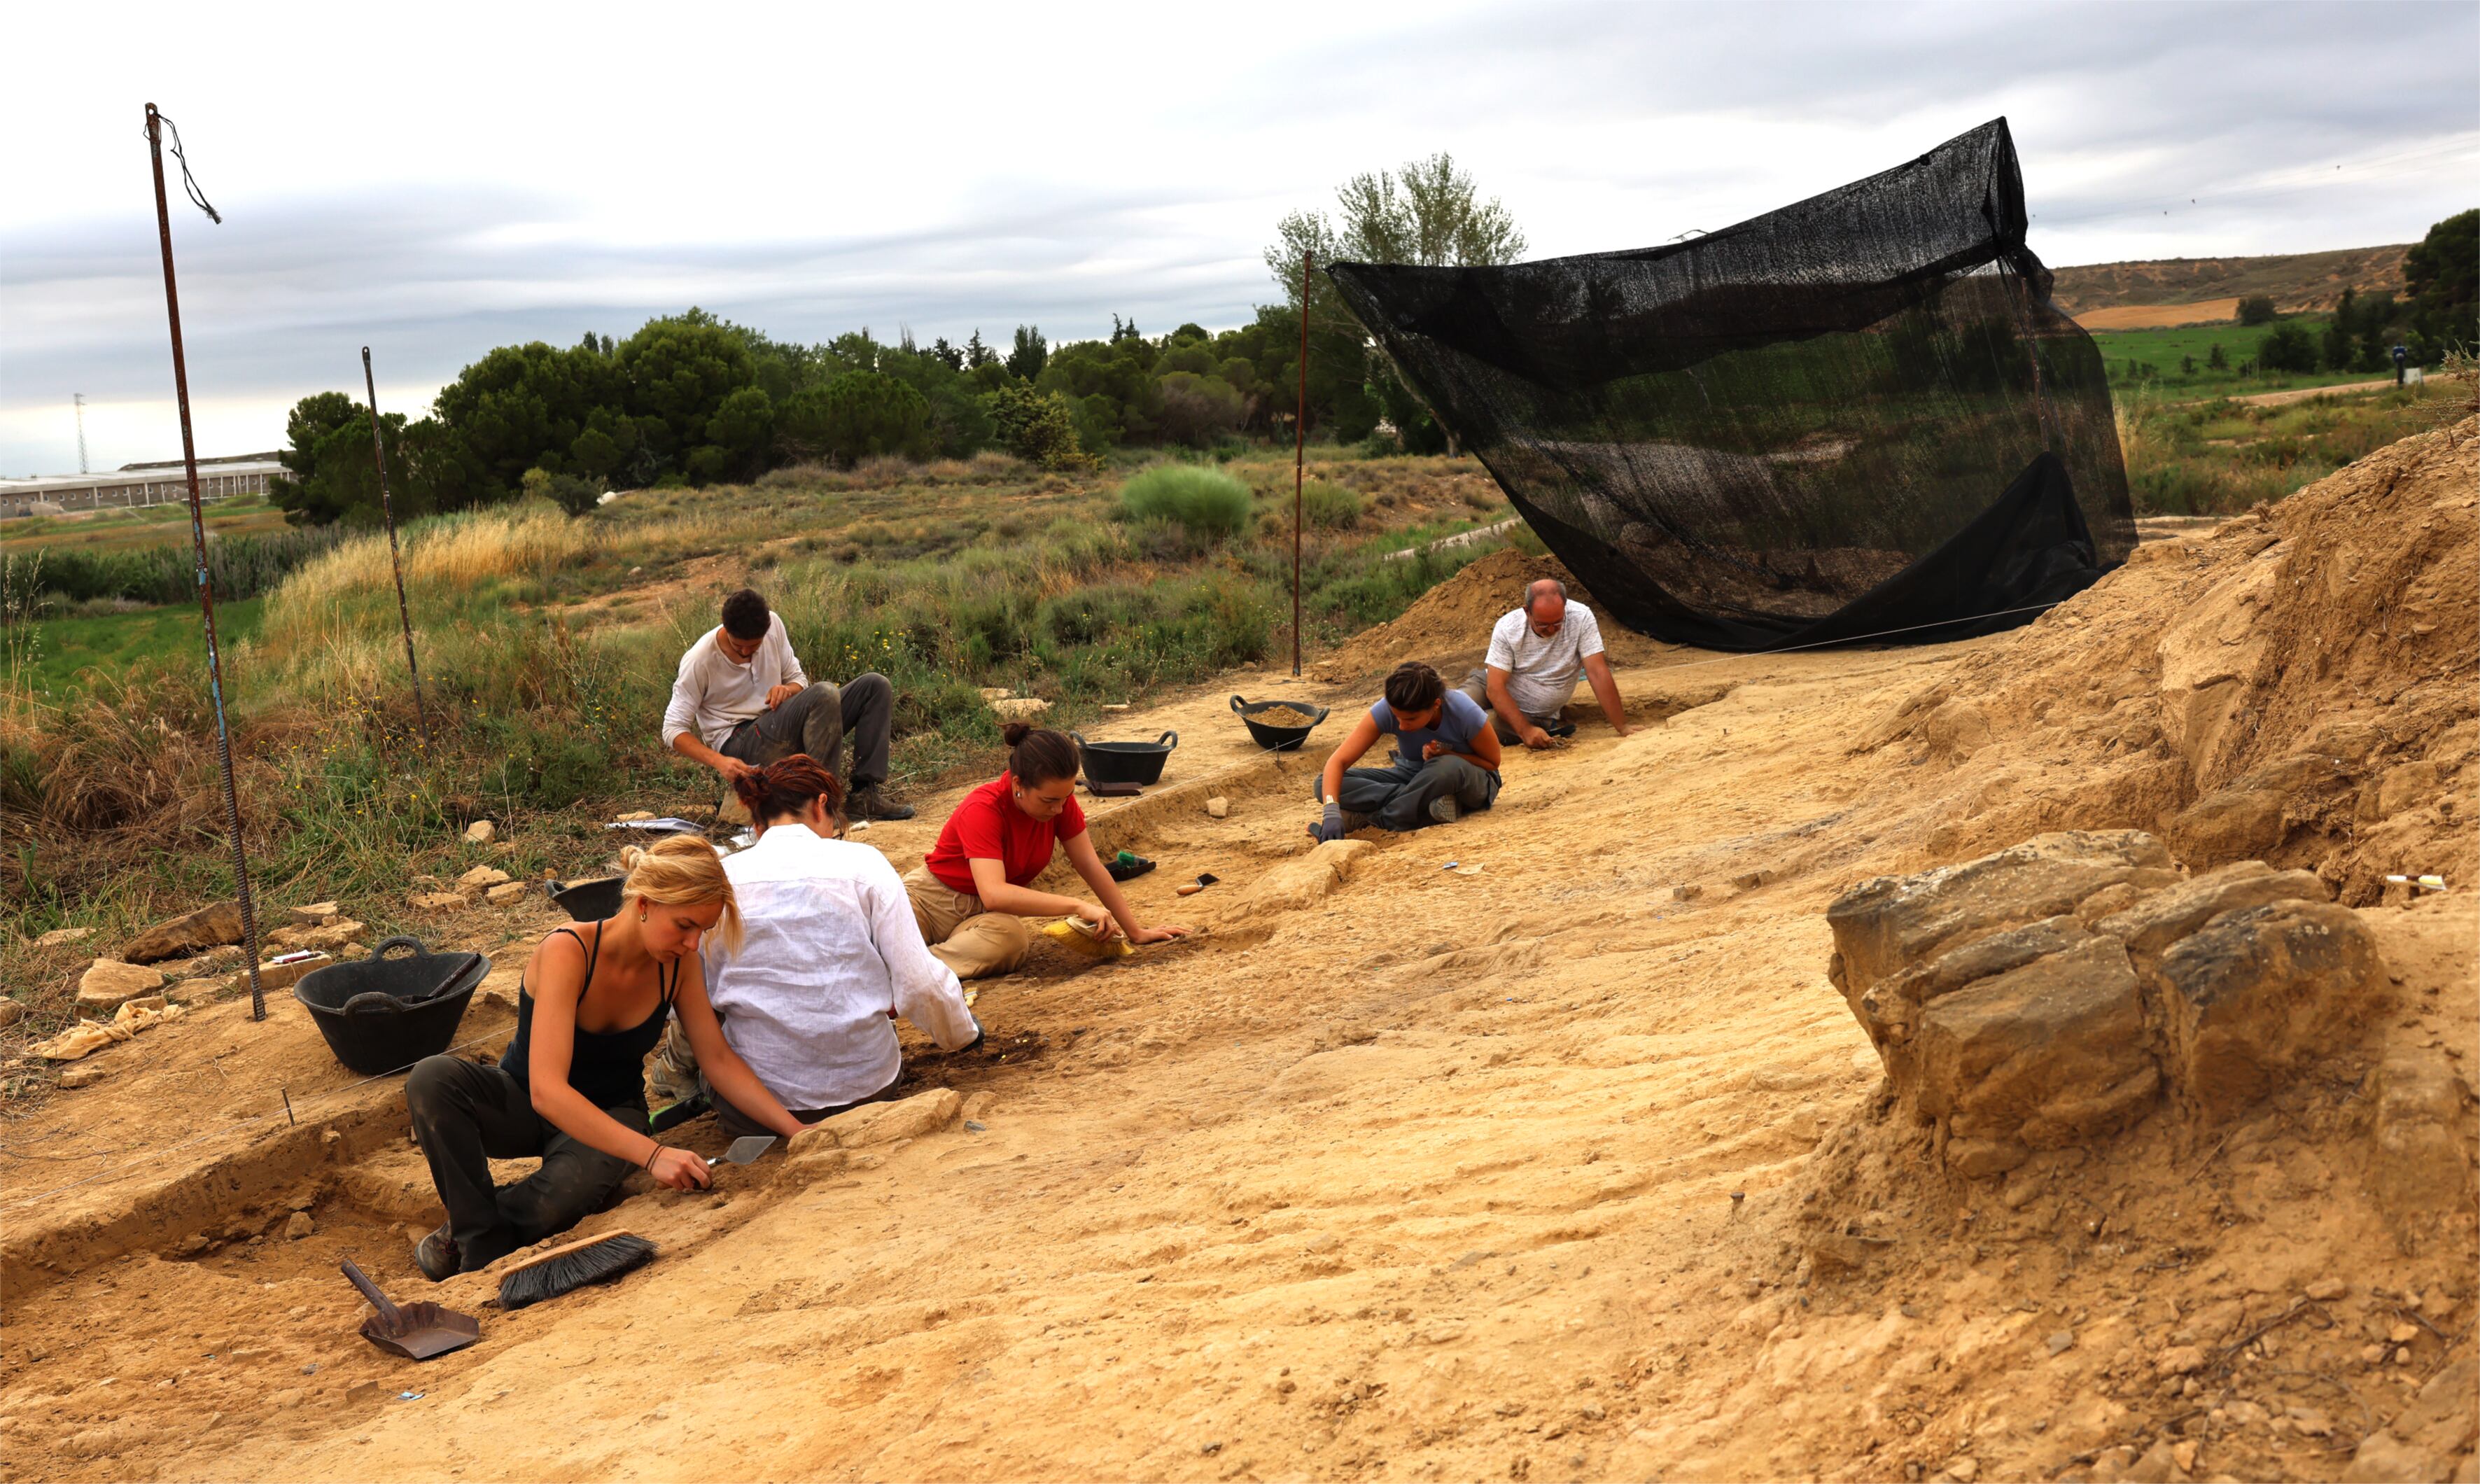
{"x":1446,"y":760}
{"x":1537,"y":653}
{"x":827,"y":950}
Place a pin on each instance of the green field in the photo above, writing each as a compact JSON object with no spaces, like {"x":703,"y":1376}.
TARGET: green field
{"x":2157,"y":359}
{"x":112,"y":642}
{"x":152,"y":525}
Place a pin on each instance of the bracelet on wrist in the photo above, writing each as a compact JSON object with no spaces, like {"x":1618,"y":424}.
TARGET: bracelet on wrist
{"x":649,"y":1164}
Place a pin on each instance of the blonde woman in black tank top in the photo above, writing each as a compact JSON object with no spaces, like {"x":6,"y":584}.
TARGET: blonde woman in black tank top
{"x":571,"y":1087}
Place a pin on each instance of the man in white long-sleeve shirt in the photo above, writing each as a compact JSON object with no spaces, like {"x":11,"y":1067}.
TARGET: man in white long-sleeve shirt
{"x":742,"y":699}
{"x":828,"y":949}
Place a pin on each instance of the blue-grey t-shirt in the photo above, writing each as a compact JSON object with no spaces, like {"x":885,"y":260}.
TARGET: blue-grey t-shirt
{"x":1458,"y":724}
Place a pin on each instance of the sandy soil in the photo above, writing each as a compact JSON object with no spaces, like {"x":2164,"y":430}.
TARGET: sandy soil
{"x":2207,"y":311}
{"x":1496,"y":1172}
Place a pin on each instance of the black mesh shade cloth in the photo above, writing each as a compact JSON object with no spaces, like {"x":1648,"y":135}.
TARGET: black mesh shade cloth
{"x":1857,"y":414}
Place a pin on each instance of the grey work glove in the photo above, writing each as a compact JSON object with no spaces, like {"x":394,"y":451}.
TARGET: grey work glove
{"x":1331,"y":826}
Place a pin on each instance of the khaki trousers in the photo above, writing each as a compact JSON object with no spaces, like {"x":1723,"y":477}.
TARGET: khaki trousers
{"x":969,"y":939}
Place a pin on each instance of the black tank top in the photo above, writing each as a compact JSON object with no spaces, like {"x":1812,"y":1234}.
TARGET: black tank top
{"x":607,"y":1068}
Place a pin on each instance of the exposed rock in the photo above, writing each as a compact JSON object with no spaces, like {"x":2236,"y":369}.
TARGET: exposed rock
{"x":326,"y":937}
{"x":1885,"y":924}
{"x":481,"y":878}
{"x":2160,"y":919}
{"x":1957,"y":729}
{"x":2233,"y":825}
{"x":1022,"y":708}
{"x":59,"y":936}
{"x":482,"y":832}
{"x":2406,"y":786}
{"x":1834,"y":1252}
{"x":210,"y":927}
{"x":436,"y":901}
{"x":878,"y":1123}
{"x":108,"y":984}
{"x":314,"y":915}
{"x":2382,"y":1458}
{"x":2038,"y":1057}
{"x":83,"y":1076}
{"x":1302,"y":879}
{"x":299,"y":1225}
{"x":11,"y":1012}
{"x":286,"y":974}
{"x":2257,"y":992}
{"x":507,"y":893}
{"x":2421,"y":1125}
{"x":1218,"y":808}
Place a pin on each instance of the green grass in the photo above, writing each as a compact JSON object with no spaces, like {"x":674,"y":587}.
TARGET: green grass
{"x":2127,"y":352}
{"x":65,"y":649}
{"x":2220,"y":457}
{"x":125,"y":530}
{"x":1208,"y":503}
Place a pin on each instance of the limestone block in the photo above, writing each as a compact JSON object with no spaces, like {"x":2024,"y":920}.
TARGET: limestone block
{"x":480,"y":879}
{"x":879,"y":1123}
{"x":1022,"y":708}
{"x":436,"y":901}
{"x":482,"y":832}
{"x":210,"y":927}
{"x":59,"y":936}
{"x":1889,"y":1009}
{"x":1890,"y":923}
{"x":326,"y":937}
{"x":284,"y":975}
{"x":2233,"y":825}
{"x":2405,"y":787}
{"x":2420,"y":1128}
{"x":2150,"y":924}
{"x":108,"y":984}
{"x":507,"y":893}
{"x":2257,"y":991}
{"x":1301,"y":880}
{"x":2039,"y":1058}
{"x":315,"y":915}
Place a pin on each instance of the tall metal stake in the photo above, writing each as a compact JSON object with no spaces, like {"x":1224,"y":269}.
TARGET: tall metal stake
{"x":1299,"y":442}
{"x":206,"y":588}
{"x":387,"y":515}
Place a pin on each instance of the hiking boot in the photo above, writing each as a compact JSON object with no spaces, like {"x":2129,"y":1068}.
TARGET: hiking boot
{"x":870,"y":802}
{"x":437,"y":1257}
{"x":1443,"y":810}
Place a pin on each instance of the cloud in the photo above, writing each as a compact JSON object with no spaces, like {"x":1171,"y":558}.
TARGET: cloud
{"x":394,"y":180}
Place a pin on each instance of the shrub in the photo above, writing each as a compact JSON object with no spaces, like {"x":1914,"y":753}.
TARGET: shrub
{"x":1036,"y":426}
{"x":1196,"y":410}
{"x":1330,"y":506}
{"x":576,"y":496}
{"x":2258,"y":309}
{"x":2289,"y":347}
{"x":1206,"y":502}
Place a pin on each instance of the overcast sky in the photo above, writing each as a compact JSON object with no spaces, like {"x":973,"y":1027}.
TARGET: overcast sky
{"x":436,"y":180}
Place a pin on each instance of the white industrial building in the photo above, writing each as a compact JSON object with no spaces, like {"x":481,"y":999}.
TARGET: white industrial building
{"x":135,"y":484}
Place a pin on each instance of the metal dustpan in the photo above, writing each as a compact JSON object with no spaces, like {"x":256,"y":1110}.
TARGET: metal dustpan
{"x":416,"y":1331}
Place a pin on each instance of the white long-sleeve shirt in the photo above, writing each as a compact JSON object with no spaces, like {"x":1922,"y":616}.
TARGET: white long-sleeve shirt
{"x":828,"y":946}
{"x":713,"y":695}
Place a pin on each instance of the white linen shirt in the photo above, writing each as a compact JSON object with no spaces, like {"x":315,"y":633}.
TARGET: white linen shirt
{"x":828,"y":946}
{"x":1541,"y":672}
{"x":713,"y":695}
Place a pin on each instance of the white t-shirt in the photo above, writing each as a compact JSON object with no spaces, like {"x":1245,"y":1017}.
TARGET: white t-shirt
{"x":713,"y":695}
{"x":1541,"y":673}
{"x":828,"y":946}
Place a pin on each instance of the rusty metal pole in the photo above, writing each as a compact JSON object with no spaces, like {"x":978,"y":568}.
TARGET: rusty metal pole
{"x":387,"y":515}
{"x":1299,"y":443}
{"x":206,"y":588}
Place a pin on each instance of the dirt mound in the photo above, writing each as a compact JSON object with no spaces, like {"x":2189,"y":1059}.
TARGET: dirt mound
{"x":2293,"y":688}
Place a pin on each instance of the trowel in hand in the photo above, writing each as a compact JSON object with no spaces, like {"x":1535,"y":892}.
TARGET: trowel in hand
{"x":744,"y":1149}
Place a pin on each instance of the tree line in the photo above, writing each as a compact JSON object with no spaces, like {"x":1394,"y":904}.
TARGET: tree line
{"x":695,"y":399}
{"x":2441,"y":282}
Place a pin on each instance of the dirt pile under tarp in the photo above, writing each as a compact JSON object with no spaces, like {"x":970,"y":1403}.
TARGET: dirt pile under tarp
{"x":2293,"y":688}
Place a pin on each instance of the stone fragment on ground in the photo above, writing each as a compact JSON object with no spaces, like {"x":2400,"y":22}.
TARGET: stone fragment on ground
{"x":436,"y":901}
{"x":482,"y":832}
{"x":507,"y":893}
{"x":84,"y":1076}
{"x":59,"y":936}
{"x":1022,"y":708}
{"x":108,"y":984}
{"x":1301,"y":880}
{"x":326,"y":937}
{"x":1218,"y":808}
{"x":313,"y":914}
{"x":481,"y":878}
{"x":210,"y":927}
{"x":11,"y":1012}
{"x":290,"y":972}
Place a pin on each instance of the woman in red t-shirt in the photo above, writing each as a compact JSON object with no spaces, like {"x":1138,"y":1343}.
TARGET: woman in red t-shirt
{"x":972,"y":894}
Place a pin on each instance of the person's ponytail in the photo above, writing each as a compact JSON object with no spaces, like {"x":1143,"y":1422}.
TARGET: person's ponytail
{"x":1038,"y":755}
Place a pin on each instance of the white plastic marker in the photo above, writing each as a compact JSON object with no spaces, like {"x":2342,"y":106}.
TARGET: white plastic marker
{"x":2420,"y":883}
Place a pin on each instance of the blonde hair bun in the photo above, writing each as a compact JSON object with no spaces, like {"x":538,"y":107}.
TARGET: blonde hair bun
{"x":681,"y":871}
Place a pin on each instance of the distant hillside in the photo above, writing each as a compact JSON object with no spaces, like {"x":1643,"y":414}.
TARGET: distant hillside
{"x":2297,"y":281}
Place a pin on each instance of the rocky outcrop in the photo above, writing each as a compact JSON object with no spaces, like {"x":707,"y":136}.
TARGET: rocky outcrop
{"x":2057,"y":992}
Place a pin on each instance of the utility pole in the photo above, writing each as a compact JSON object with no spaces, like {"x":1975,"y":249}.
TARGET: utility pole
{"x":79,"y":398}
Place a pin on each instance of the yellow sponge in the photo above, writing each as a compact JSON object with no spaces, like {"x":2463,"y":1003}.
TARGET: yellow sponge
{"x":1075,"y":936}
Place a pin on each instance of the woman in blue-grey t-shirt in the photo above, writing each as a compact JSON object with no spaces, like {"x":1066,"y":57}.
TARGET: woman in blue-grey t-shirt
{"x":1446,"y":760}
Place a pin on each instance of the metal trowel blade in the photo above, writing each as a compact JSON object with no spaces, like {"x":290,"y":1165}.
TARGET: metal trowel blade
{"x":745,"y":1149}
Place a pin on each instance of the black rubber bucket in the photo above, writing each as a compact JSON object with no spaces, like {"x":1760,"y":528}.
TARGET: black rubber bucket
{"x":382,"y":1014}
{"x":1278,"y":738}
{"x":1137,"y":763}
{"x":590,"y":901}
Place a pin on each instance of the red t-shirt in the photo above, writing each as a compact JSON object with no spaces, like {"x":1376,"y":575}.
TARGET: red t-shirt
{"x":988,"y":825}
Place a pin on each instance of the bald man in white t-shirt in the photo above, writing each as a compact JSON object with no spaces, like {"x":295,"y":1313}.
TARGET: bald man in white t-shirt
{"x":1537,"y":654}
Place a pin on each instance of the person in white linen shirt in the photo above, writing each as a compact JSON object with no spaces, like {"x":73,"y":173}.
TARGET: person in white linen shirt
{"x":1536,"y":653}
{"x":828,"y":949}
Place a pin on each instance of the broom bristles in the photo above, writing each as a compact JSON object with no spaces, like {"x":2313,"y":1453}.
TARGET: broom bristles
{"x":597,"y":1260}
